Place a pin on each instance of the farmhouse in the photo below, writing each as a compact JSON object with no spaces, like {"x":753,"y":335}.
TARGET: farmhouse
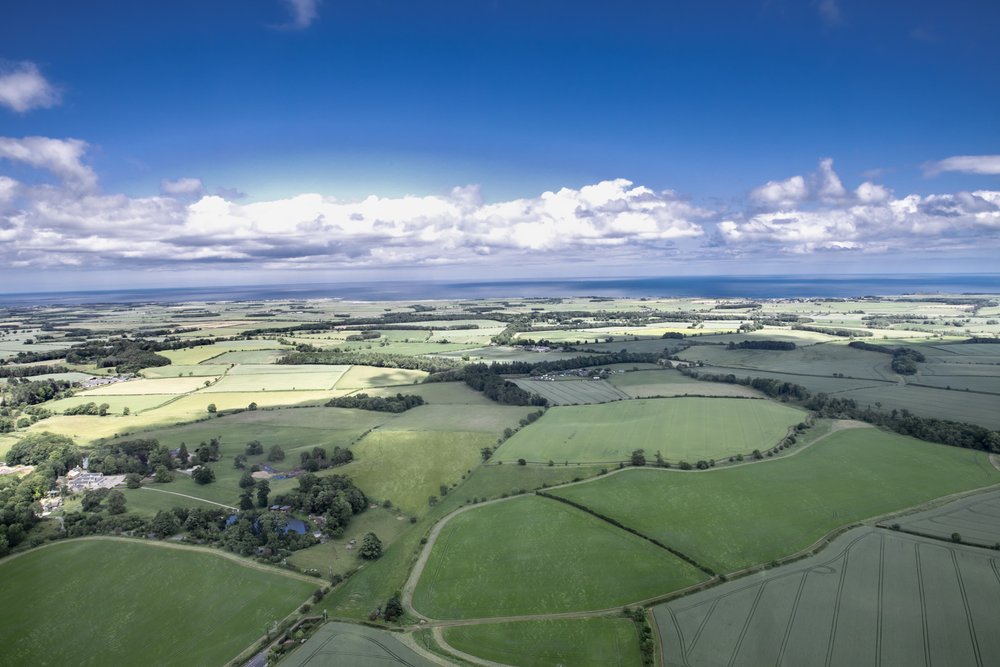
{"x":79,"y":480}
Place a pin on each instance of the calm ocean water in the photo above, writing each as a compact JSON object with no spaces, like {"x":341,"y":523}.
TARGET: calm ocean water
{"x":753,"y":287}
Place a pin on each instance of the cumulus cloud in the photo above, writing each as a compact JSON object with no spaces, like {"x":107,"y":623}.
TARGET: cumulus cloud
{"x":967,"y":164}
{"x":781,"y":194}
{"x":823,"y":185}
{"x":61,"y":157}
{"x":182,"y":187}
{"x":23,"y":88}
{"x":303,"y":13}
{"x":49,"y":225}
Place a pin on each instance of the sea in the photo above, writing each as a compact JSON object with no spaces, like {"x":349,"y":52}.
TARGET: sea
{"x":725,"y":287}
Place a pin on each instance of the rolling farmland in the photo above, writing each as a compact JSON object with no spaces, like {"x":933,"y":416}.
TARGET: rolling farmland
{"x":356,"y":645}
{"x":976,"y":519}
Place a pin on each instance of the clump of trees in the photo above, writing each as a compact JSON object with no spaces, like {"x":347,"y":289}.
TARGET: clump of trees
{"x":334,"y":496}
{"x":21,"y":391}
{"x":761,"y":345}
{"x":317,"y":459}
{"x":397,"y":403}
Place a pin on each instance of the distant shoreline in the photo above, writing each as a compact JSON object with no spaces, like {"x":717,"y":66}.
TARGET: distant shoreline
{"x":725,"y":287}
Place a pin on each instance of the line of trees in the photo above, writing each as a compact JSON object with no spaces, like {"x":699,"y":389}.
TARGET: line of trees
{"x":308,"y":354}
{"x":761,"y":345}
{"x":397,"y":403}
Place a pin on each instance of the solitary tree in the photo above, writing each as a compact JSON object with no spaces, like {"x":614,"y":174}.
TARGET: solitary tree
{"x":203,"y":475}
{"x":211,"y":408}
{"x":371,"y":547}
{"x":639,"y":457}
{"x":263,"y":488}
{"x":133,"y":481}
{"x":393,"y":607}
{"x":182,"y":454}
{"x":116,"y":502}
{"x":246,"y":500}
{"x":165,"y":524}
{"x":247,"y":480}
{"x":162,"y":475}
{"x":276,"y":454}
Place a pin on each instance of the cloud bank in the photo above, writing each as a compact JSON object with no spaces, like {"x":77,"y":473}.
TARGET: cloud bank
{"x":71,"y":223}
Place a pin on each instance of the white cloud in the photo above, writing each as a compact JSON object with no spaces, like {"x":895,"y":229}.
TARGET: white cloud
{"x":781,"y":194}
{"x":967,"y":164}
{"x":23,"y":88}
{"x":61,"y":157}
{"x":182,"y":187}
{"x":303,"y":12}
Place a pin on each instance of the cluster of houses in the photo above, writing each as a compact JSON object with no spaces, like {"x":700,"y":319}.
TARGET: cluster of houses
{"x":100,"y":381}
{"x":80,"y":479}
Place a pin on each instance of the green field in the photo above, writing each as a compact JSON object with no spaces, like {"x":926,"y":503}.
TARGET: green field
{"x":657,"y":383}
{"x":585,"y":642}
{"x":366,"y":377}
{"x":530,"y":555}
{"x":436,"y":393}
{"x":680,"y":428}
{"x":976,"y":519}
{"x":135,"y":404}
{"x":103,"y":602}
{"x":174,"y":385}
{"x":823,"y":359}
{"x":407,"y":467}
{"x":333,"y":556}
{"x":356,"y":646}
{"x":737,"y":517}
{"x":195,"y":370}
{"x":872,"y":597}
{"x":271,"y":381}
{"x":572,"y":392}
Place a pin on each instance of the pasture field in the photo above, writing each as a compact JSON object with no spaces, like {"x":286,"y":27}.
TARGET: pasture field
{"x":135,"y":404}
{"x":976,"y":519}
{"x":814,"y":383}
{"x":572,"y":392}
{"x":200,"y":353}
{"x":284,"y":369}
{"x":152,"y":498}
{"x":357,"y":646}
{"x":367,"y":377}
{"x":293,"y":381}
{"x":682,"y":429}
{"x":174,"y":370}
{"x":584,"y":642}
{"x":127,"y":603}
{"x":665,"y":382}
{"x":174,"y":385}
{"x":871,"y":597}
{"x":333,"y":556}
{"x":532,"y":555}
{"x":738,"y":517}
{"x":407,"y":467}
{"x":501,"y":354}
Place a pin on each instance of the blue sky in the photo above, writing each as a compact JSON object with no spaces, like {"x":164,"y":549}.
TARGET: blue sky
{"x":235,"y":141}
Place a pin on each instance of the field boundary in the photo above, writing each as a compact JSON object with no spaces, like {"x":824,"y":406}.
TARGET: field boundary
{"x":184,"y":495}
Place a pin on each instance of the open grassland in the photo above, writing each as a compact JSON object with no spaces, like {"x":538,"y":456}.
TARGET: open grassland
{"x":584,"y":642}
{"x":501,"y":354}
{"x":532,"y":555}
{"x":491,"y":418}
{"x":737,"y":517}
{"x":982,"y":409}
{"x":152,"y":498}
{"x":284,"y":369}
{"x":687,"y":429}
{"x":127,"y":603}
{"x":407,"y":467}
{"x":249,"y":357}
{"x":175,"y":385}
{"x":872,"y":597}
{"x":201,"y":353}
{"x":356,"y":646}
{"x":572,"y":392}
{"x":976,"y":519}
{"x":366,"y":377}
{"x":666,"y":382}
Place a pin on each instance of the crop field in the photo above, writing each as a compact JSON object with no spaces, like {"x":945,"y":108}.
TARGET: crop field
{"x":976,"y":519}
{"x":531,"y":555}
{"x":407,"y":467}
{"x":872,"y":597}
{"x":822,"y":359}
{"x":116,"y":404}
{"x":200,"y":353}
{"x":175,"y":385}
{"x":357,"y":646}
{"x":491,"y":418}
{"x":294,"y":381}
{"x":572,"y":392}
{"x":680,"y":428}
{"x":502,"y":354}
{"x":438,"y":393}
{"x":366,"y":377}
{"x":584,"y":642}
{"x":664,"y":382}
{"x":126,"y":603}
{"x":737,"y":517}
{"x":174,"y":370}
{"x":982,"y":409}
{"x":249,"y":357}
